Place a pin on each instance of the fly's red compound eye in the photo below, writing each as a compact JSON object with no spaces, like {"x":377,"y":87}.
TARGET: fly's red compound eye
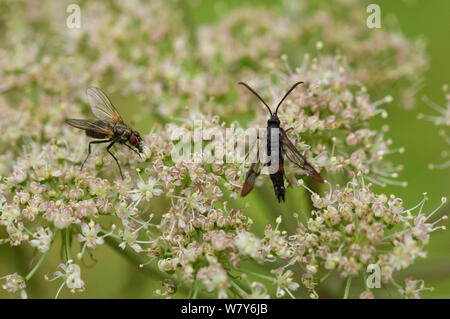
{"x":133,"y":139}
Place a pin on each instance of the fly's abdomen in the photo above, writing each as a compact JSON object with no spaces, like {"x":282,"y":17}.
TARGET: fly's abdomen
{"x":99,"y":129}
{"x":95,"y":134}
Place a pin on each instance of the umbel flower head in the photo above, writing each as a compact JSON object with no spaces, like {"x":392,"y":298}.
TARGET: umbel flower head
{"x":182,"y":218}
{"x":349,"y":225}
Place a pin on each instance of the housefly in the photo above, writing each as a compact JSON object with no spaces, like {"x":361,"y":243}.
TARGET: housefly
{"x":278,"y":146}
{"x":109,"y":128}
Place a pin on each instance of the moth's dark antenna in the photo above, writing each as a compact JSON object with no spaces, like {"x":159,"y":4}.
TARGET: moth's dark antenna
{"x":251,"y":90}
{"x":287,"y":93}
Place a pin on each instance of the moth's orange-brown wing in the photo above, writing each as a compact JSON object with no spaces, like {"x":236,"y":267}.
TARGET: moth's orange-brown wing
{"x":102,"y":107}
{"x":293,"y":155}
{"x":255,"y":169}
{"x":252,"y":174}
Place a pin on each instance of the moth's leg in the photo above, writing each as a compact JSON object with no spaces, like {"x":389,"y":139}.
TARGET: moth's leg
{"x":251,"y":148}
{"x":258,"y":140}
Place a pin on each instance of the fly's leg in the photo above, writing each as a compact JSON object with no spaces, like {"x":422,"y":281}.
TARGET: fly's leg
{"x":133,"y":150}
{"x":89,"y":150}
{"x":107,"y":148}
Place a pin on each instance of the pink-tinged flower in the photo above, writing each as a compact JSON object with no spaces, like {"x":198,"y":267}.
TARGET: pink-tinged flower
{"x":33,"y":208}
{"x":98,"y":187}
{"x":85,"y":208}
{"x":37,"y":188}
{"x":214,"y":277}
{"x":22,"y":196}
{"x":71,"y":274}
{"x":13,"y":283}
{"x":285,"y":282}
{"x":64,"y":218}
{"x":60,"y":214}
{"x":276,"y":242}
{"x":124,"y":211}
{"x":76,"y":193}
{"x":129,"y":238}
{"x":168,"y":264}
{"x":249,"y":244}
{"x":16,"y":233}
{"x":146,"y":190}
{"x":104,"y":205}
{"x":413,"y":288}
{"x":89,"y":235}
{"x":10,"y":214}
{"x":42,"y":239}
{"x":18,"y":176}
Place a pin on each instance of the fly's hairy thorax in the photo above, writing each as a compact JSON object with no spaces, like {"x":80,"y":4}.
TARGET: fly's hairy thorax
{"x":123,"y":131}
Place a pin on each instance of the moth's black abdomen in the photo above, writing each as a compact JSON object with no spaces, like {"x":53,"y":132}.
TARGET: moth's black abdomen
{"x":278,"y":184}
{"x":279,"y":193}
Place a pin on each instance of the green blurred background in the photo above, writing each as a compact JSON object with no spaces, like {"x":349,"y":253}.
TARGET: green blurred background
{"x":112,"y":276}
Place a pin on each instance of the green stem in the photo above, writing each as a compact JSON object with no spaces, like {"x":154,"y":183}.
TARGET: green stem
{"x":260,"y":276}
{"x":67,"y":243}
{"x":321,"y":280}
{"x":194,"y":296}
{"x":396,"y":284}
{"x":235,"y":291}
{"x":191,"y":290}
{"x":365,"y":280}
{"x":240,"y":287}
{"x":38,"y":264}
{"x":347,"y":287}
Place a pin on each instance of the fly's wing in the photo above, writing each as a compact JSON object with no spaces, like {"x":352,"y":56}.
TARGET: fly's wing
{"x":255,"y":169}
{"x":97,"y":129}
{"x":293,"y":155}
{"x":102,"y":107}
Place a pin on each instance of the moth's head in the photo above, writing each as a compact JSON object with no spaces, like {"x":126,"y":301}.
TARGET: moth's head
{"x":273,"y":120}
